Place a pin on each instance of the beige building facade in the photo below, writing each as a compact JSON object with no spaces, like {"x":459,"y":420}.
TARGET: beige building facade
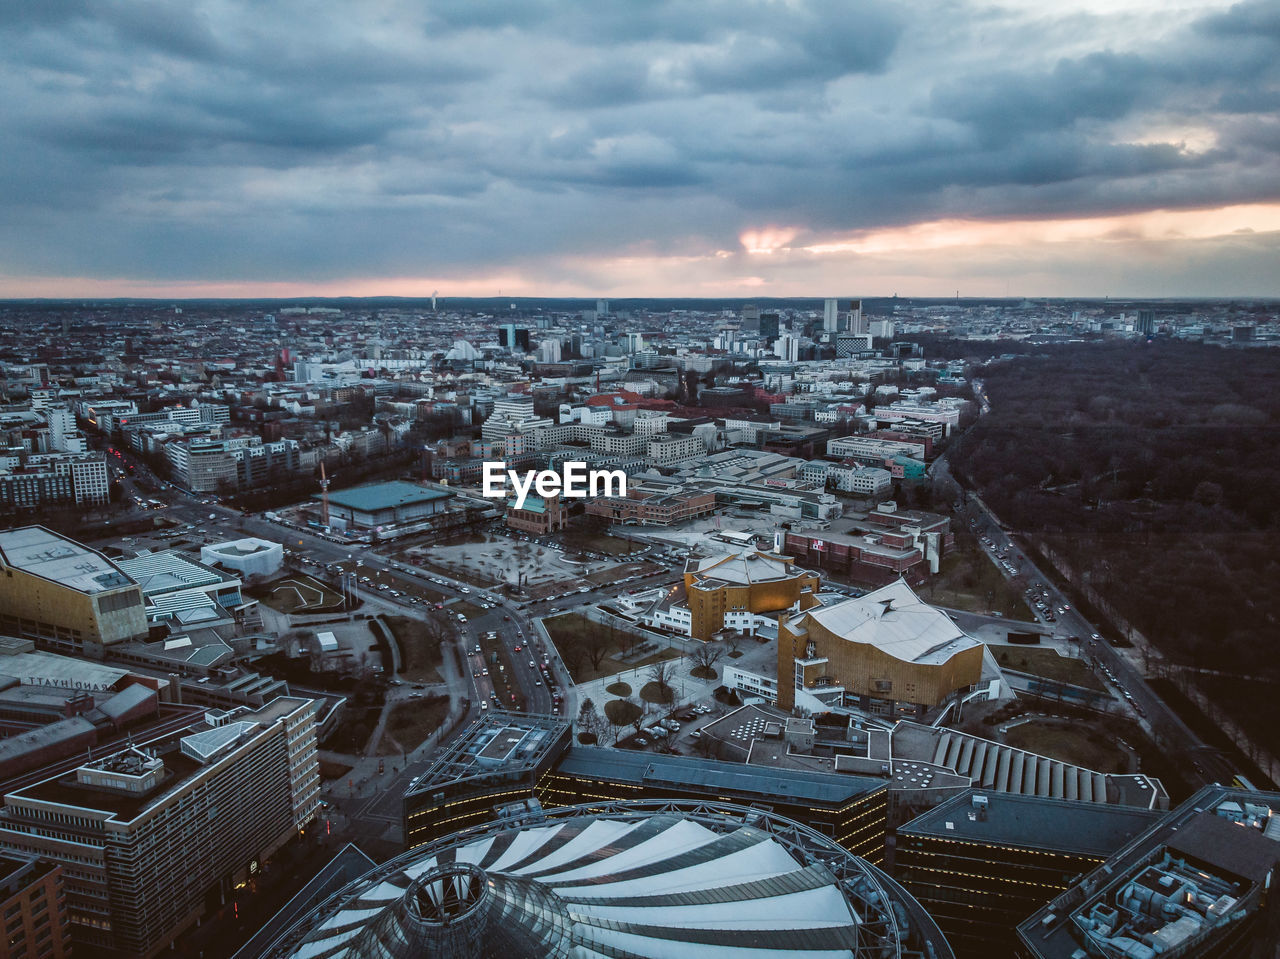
{"x":886,"y":652}
{"x":56,"y":590}
{"x":722,"y":588}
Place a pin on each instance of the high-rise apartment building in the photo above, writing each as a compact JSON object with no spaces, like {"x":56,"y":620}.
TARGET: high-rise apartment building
{"x":857,"y":322}
{"x":145,"y":835}
{"x":512,"y":414}
{"x":830,"y":316}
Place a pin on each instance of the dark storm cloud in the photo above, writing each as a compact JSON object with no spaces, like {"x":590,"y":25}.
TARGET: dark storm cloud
{"x":288,"y":140}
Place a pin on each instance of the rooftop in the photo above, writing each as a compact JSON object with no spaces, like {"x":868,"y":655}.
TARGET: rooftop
{"x":704,"y":775}
{"x":1085,"y":829}
{"x":1220,"y":841}
{"x":44,"y":553}
{"x":895,"y":621}
{"x":169,"y":571}
{"x":498,"y":743}
{"x":242,"y":547}
{"x":379,"y":496}
{"x":1006,"y":769}
{"x":179,"y":767}
{"x":17,"y":873}
{"x":688,"y":880}
{"x":64,"y":672}
{"x":744,"y":568}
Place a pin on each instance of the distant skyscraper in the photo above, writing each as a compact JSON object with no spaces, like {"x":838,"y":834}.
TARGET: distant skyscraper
{"x":1146,"y":325}
{"x":549,"y":351}
{"x":882,"y":329}
{"x":830,"y":316}
{"x":857,"y":322}
{"x":602,"y":307}
{"x":751,"y":318}
{"x":513,"y":338}
{"x":769,"y":325}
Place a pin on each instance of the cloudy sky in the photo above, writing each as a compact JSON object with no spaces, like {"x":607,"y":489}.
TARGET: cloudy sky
{"x":640,"y":147}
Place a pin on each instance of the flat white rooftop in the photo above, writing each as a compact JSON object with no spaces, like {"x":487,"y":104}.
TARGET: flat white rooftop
{"x":44,"y":553}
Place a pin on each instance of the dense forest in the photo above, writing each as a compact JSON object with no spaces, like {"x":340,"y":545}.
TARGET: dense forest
{"x":1154,"y":469}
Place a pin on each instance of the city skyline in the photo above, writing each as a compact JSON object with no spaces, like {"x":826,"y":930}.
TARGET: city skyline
{"x":709,"y":150}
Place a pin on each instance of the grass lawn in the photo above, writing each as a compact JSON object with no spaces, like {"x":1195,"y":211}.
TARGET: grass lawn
{"x":703,"y":672}
{"x":411,"y":722}
{"x":610,"y":545}
{"x":653,"y":693}
{"x":570,"y":629}
{"x":618,"y":689}
{"x":1047,"y":663}
{"x":419,"y":644}
{"x":969,"y":581}
{"x":1082,"y":746}
{"x":603,"y":577}
{"x":620,"y":712}
{"x":467,"y":609}
{"x":297,"y":594}
{"x":610,"y":665}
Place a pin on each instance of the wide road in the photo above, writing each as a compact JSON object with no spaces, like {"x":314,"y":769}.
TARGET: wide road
{"x":1205,"y":764}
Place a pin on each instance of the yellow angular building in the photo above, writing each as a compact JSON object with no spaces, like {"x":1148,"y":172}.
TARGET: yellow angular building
{"x":887,"y":652}
{"x":730,"y":589}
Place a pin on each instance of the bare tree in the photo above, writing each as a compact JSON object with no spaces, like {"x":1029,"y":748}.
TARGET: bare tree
{"x":660,"y":674}
{"x":589,"y":719}
{"x":627,"y":641}
{"x":573,"y":651}
{"x":616,"y":727}
{"x":734,"y":639}
{"x":706,"y":655}
{"x":597,"y":642}
{"x":638,"y":723}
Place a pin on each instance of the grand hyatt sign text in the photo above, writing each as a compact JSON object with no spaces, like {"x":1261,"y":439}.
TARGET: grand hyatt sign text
{"x":576,"y":482}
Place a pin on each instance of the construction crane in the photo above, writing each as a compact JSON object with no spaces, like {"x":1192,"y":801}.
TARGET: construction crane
{"x":324,"y":497}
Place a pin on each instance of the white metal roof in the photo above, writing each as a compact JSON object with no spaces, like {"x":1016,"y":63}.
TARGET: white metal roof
{"x":44,"y":553}
{"x":749,"y":566}
{"x":50,"y":669}
{"x":168,"y":572}
{"x":204,"y":746}
{"x":895,"y":621}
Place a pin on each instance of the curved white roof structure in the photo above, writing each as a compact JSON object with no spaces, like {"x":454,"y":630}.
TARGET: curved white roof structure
{"x":648,"y":879}
{"x":744,"y":568}
{"x":893,"y":619}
